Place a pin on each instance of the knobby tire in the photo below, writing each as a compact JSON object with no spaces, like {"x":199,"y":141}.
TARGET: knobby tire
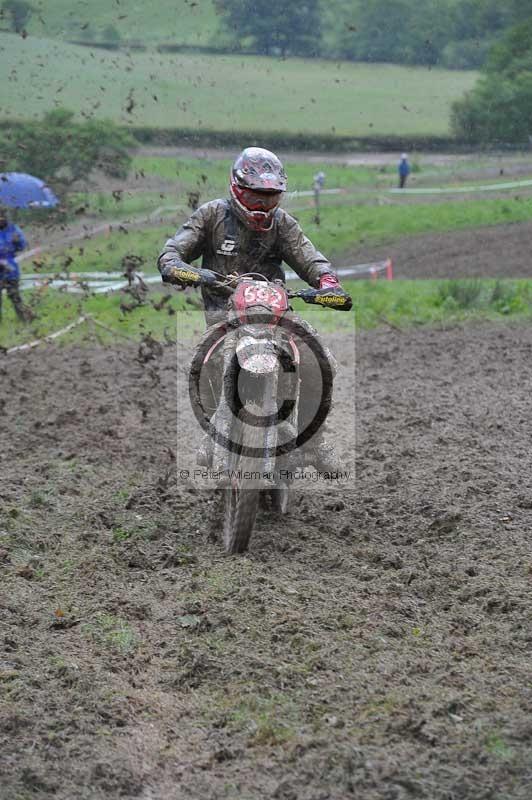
{"x":241,"y":501}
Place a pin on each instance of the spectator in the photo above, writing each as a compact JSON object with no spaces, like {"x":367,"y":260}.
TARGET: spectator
{"x":404,"y":170}
{"x":318,"y":184}
{"x":12,"y":241}
{"x":319,"y":181}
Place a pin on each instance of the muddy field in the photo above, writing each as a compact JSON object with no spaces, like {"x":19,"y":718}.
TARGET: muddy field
{"x":498,"y":251}
{"x":374,"y":645}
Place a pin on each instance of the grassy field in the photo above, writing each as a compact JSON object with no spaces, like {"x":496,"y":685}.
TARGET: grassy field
{"x":210,"y":180}
{"x":175,"y":21}
{"x":341,"y":228}
{"x":179,"y":176}
{"x":212,"y":175}
{"x":396,"y":303}
{"x":105,"y":253}
{"x":344,"y":226}
{"x":227,"y":93}
{"x":344,"y":217}
{"x":131,"y":204}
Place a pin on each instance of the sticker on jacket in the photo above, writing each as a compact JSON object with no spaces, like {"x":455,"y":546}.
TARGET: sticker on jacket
{"x":227,"y":248}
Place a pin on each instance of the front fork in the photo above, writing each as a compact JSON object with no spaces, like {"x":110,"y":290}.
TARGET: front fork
{"x":263,"y":395}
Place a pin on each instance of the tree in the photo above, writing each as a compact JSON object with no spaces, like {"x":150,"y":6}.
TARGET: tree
{"x":399,"y":31}
{"x":497,"y":111}
{"x":19,"y":13}
{"x":62,"y":152}
{"x":513,"y":54}
{"x":454,"y":33}
{"x":499,"y":108}
{"x":339,"y":22}
{"x":279,"y":27}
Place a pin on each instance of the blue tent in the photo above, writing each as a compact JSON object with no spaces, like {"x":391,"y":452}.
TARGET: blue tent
{"x":18,"y":190}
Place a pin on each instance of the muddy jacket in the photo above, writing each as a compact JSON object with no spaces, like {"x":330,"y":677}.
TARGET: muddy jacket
{"x":227,"y":245}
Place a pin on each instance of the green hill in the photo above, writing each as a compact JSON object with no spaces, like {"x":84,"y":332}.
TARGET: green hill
{"x":178,"y":21}
{"x":226,"y":93}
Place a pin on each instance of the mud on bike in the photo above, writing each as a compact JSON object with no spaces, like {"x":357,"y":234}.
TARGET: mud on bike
{"x":250,"y":365}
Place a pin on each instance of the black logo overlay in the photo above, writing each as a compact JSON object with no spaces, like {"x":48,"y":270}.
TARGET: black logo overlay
{"x":292,"y":329}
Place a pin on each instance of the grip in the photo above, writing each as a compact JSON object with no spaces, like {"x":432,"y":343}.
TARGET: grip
{"x":338,"y":300}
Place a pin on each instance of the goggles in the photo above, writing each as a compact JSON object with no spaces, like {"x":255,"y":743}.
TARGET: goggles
{"x":255,"y":200}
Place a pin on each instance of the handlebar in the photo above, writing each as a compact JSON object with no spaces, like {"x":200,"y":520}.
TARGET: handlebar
{"x":336,"y":300}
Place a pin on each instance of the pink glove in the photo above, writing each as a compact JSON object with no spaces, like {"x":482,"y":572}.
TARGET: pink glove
{"x":329,"y":281}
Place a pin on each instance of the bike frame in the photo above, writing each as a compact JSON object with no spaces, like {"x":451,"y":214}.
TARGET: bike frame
{"x":255,"y":347}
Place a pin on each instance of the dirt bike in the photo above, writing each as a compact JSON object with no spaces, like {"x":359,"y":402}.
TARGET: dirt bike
{"x":257,"y":444}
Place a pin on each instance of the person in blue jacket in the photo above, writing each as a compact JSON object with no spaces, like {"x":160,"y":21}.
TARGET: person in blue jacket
{"x":404,"y":170}
{"x":12,"y":241}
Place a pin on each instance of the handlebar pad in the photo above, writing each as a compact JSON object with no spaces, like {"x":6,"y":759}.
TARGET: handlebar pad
{"x":329,"y":298}
{"x":190,"y":276}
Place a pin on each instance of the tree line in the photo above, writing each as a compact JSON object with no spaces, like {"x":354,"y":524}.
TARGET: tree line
{"x":491,"y":35}
{"x":456,"y":34}
{"x":63,"y":152}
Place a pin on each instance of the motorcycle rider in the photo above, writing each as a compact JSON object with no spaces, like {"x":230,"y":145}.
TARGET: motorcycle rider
{"x":250,"y":232}
{"x":12,"y":241}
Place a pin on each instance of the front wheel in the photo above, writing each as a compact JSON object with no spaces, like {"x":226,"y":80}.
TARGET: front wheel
{"x":241,"y":506}
{"x":242,"y":496}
